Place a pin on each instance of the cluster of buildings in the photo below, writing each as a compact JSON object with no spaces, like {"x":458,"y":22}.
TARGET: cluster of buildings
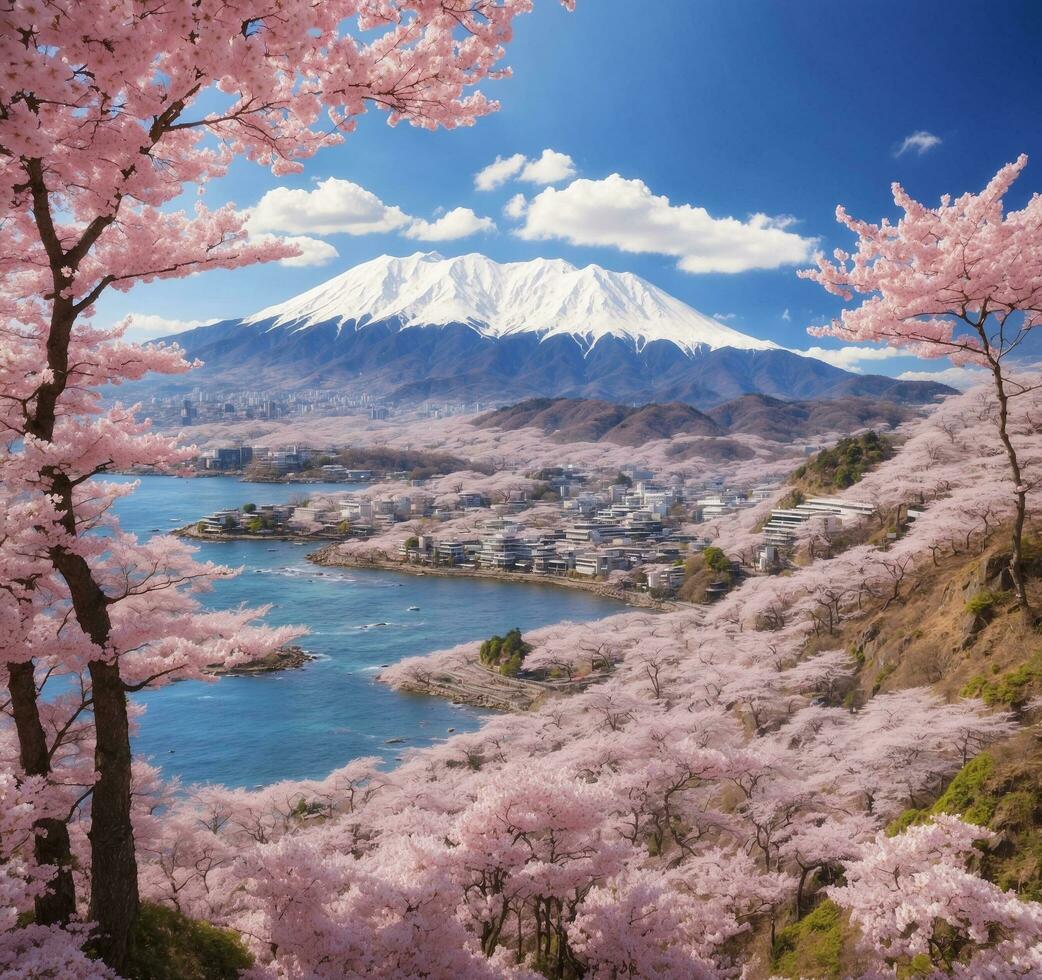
{"x":633,"y":528}
{"x":280,"y":463}
{"x":639,"y":527}
{"x":204,"y":405}
{"x":237,"y":405}
{"x":782,"y":528}
{"x":621,"y":528}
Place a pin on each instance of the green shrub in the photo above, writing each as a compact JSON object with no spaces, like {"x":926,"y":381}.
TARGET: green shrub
{"x":1008,"y":800}
{"x":984,"y":602}
{"x":881,"y":677}
{"x":169,"y":946}
{"x":842,"y":465}
{"x":813,"y":946}
{"x":505,"y":652}
{"x":967,"y":794}
{"x":1013,"y":688}
{"x":715,"y":559}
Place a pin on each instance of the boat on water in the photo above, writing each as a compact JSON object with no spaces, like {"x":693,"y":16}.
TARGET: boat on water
{"x":414,"y":608}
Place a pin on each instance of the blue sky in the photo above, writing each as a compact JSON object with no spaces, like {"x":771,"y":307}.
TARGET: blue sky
{"x":781,"y":109}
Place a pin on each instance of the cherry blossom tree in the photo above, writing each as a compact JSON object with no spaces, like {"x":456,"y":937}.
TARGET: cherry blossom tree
{"x":112,"y":111}
{"x":912,"y":896}
{"x":962,"y":280}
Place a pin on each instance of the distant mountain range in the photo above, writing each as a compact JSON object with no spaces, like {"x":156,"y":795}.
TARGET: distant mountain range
{"x":464,"y":329}
{"x":587,"y":420}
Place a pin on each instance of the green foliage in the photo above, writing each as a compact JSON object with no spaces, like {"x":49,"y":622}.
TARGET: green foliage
{"x":968,"y":794}
{"x":703,"y":569}
{"x":882,"y":676}
{"x":794,"y":497}
{"x":544,"y":492}
{"x":715,"y":559}
{"x":343,"y":527}
{"x":303,"y":808}
{"x":845,"y":463}
{"x":254,"y":525}
{"x":909,"y":818}
{"x":813,"y":946}
{"x":169,"y":946}
{"x":1008,"y":800}
{"x":1013,"y":688}
{"x":248,"y":508}
{"x":982,"y":603}
{"x":413,"y":542}
{"x":505,"y":652}
{"x":511,"y":667}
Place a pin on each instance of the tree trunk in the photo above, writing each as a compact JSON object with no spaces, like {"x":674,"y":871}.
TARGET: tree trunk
{"x":114,"y":899}
{"x":114,"y":892}
{"x":1016,"y":561}
{"x":51,"y":841}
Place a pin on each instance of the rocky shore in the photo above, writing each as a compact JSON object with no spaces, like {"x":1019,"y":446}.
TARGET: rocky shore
{"x":191,"y":531}
{"x":330,"y":556}
{"x":285,"y":658}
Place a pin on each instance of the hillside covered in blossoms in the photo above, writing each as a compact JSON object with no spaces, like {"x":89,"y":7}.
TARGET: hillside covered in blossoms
{"x":791,"y":729}
{"x":740,"y":765}
{"x":742,"y":769}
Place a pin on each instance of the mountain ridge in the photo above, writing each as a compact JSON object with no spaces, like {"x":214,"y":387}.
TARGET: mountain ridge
{"x":617,"y":338}
{"x":566,"y":420}
{"x":548,"y":297}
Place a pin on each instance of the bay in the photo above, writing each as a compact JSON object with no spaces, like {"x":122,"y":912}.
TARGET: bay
{"x":300,"y":724}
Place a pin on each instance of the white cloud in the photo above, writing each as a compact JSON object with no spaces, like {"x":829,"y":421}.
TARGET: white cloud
{"x":335,"y":206}
{"x":850,"y":358}
{"x":457,"y":223}
{"x":151,"y":326}
{"x":516,"y":206}
{"x":626,"y":215}
{"x":920,"y":141}
{"x":313,"y":251}
{"x":786,"y":316}
{"x":550,"y":168}
{"x":725,"y":317}
{"x":957,"y":377}
{"x":499,"y":171}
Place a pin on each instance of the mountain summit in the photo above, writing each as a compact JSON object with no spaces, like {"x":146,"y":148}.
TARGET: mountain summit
{"x":470,"y":329}
{"x":548,"y":297}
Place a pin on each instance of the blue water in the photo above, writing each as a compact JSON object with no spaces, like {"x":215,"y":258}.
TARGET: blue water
{"x":249,"y":731}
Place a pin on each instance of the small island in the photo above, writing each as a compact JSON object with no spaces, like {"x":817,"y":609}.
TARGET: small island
{"x":285,"y":658}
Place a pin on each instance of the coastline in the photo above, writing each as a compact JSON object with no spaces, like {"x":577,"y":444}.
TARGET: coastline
{"x":330,"y":558}
{"x":327,"y":556}
{"x":470,"y":683}
{"x":189,"y":531}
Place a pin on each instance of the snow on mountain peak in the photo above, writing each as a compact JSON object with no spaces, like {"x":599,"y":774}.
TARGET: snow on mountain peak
{"x":545,"y":296}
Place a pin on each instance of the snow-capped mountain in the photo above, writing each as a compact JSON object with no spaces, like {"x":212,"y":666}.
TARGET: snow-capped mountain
{"x":549,"y":297}
{"x":470,"y":329}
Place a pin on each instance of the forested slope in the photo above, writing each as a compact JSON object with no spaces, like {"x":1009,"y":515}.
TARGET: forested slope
{"x":753,"y":784}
